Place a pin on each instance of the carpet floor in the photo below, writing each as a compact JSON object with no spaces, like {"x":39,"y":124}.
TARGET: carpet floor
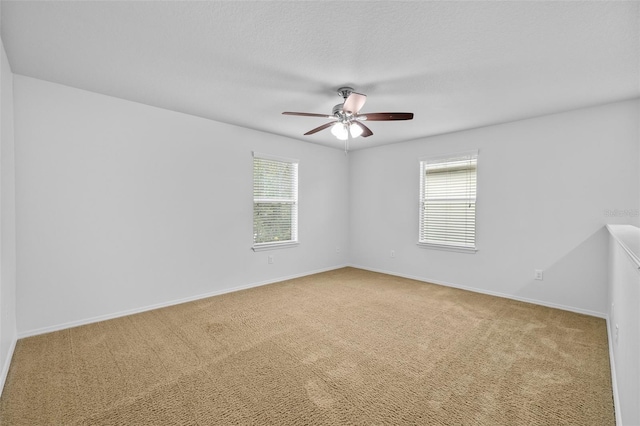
{"x":341,"y":347}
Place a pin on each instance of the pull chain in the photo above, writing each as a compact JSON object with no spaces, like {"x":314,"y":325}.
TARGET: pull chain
{"x":346,"y":142}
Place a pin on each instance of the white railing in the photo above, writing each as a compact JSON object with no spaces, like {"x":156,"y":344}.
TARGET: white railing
{"x":624,"y":321}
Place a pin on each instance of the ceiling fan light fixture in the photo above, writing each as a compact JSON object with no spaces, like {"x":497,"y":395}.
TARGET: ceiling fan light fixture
{"x":339,"y":130}
{"x":355,"y":130}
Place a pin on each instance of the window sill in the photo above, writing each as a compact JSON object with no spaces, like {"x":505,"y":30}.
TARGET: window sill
{"x":274,"y":246}
{"x":459,"y":249}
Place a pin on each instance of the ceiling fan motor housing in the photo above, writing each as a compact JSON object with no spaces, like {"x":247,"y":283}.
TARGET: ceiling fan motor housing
{"x":339,"y":113}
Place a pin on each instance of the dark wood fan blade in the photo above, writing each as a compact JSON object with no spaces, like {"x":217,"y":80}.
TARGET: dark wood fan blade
{"x":388,"y":116}
{"x":317,"y":129}
{"x":366,"y":132}
{"x":308,"y":114}
{"x":354,"y":103}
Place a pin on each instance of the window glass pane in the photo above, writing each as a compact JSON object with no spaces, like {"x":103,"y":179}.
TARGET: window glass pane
{"x":273,"y":179}
{"x":275,"y":200}
{"x":448,"y":200}
{"x":272,"y":222}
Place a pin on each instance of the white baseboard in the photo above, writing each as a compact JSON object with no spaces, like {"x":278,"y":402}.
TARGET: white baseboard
{"x":71,"y":324}
{"x":614,"y":381}
{"x":488,"y":292}
{"x":99,"y":318}
{"x":7,"y":364}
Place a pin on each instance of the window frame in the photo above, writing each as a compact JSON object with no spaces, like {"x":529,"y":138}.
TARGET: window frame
{"x":272,"y":245}
{"x":422,"y":161}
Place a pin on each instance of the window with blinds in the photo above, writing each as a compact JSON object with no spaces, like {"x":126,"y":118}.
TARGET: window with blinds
{"x":275,"y":201}
{"x":448,"y":201}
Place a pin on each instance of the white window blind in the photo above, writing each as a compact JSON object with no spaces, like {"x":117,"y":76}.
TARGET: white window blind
{"x":275,"y":201}
{"x":448,"y":201}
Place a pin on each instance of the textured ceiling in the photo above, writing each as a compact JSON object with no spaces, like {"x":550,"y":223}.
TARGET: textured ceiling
{"x":455,"y":65}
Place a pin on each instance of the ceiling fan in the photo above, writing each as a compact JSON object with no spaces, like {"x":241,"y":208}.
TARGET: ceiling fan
{"x":347,"y":119}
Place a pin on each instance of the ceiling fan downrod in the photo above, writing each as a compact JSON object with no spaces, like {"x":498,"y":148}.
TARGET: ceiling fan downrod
{"x":345,"y":92}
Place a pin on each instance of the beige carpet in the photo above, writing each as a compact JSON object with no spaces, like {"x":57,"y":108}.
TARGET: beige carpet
{"x":341,"y":347}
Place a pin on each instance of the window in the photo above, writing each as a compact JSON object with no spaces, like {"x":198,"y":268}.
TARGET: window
{"x":448,"y":201}
{"x":275,"y":202}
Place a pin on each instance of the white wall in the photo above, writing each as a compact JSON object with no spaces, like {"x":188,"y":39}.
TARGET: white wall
{"x":123,"y":206}
{"x":7,"y":220}
{"x":544,"y":185}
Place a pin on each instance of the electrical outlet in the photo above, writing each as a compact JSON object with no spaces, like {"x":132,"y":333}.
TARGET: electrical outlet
{"x":537,"y":274}
{"x":270,"y":259}
{"x":393,"y":253}
{"x":337,"y":249}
